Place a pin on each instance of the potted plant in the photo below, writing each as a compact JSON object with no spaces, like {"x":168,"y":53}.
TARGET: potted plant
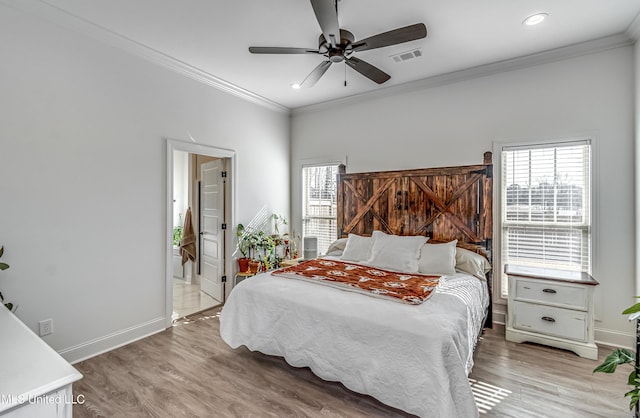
{"x":251,"y":246}
{"x":244,"y":247}
{"x":271,"y":258}
{"x":178,"y":231}
{"x":621,"y":356}
{"x":274,"y":248}
{"x":257,"y":247}
{"x":177,"y":235}
{"x":4,"y":266}
{"x":260,"y":249}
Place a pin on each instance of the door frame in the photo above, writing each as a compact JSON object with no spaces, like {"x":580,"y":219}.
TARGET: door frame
{"x":230,"y":211}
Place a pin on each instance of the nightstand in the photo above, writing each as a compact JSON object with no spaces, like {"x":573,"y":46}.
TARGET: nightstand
{"x":241,"y":275}
{"x":291,"y":262}
{"x":551,"y":307}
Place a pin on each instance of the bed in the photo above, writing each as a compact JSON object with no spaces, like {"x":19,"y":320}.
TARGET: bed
{"x":415,"y":357}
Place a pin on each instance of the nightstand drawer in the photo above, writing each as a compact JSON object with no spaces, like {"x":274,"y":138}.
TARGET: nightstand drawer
{"x":551,"y":293}
{"x":550,"y":320}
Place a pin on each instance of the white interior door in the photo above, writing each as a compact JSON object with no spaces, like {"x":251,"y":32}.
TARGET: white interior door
{"x":211,"y":233}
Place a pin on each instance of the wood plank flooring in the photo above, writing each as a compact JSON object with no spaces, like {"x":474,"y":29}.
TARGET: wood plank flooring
{"x":188,"y":371}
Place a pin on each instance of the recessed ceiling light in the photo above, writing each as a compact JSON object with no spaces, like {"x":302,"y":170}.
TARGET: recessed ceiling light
{"x":295,"y":86}
{"x":535,"y":19}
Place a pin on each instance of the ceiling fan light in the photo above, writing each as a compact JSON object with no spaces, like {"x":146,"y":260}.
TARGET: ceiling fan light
{"x":535,"y":19}
{"x":295,"y":86}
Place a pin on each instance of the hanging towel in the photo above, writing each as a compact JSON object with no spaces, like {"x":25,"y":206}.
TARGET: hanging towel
{"x":188,"y":243}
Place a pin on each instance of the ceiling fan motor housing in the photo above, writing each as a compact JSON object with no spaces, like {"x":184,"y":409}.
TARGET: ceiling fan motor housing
{"x":342,"y":49}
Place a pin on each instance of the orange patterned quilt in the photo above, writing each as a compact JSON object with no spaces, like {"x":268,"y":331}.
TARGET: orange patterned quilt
{"x":403,"y":287}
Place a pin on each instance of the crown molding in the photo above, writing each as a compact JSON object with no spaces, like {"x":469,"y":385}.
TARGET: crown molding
{"x":56,"y":15}
{"x":633,"y":31}
{"x":553,"y":55}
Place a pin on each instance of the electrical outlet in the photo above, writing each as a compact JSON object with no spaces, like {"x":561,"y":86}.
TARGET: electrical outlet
{"x":46,"y":327}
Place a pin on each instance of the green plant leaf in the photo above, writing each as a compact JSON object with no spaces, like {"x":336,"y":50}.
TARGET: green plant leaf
{"x":9,"y":306}
{"x":4,"y":266}
{"x":634,"y":394}
{"x":1,"y":251}
{"x":177,"y":235}
{"x":632,"y":378}
{"x":633,"y":309}
{"x":616,"y":358}
{"x":1,"y":297}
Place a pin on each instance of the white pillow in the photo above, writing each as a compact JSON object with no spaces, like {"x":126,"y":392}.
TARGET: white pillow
{"x":398,"y":253}
{"x":336,"y":248}
{"x":358,"y":248}
{"x":438,"y":258}
{"x":472,"y":263}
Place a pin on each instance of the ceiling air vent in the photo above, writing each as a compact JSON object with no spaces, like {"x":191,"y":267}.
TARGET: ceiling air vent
{"x":404,"y":56}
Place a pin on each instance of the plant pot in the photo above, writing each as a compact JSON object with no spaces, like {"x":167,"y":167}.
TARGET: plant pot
{"x":243,"y":264}
{"x":254,"y":266}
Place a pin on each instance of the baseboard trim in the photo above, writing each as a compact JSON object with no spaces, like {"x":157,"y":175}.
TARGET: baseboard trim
{"x":499,"y":328}
{"x":612,"y":338}
{"x":499,"y":315}
{"x":112,"y":341}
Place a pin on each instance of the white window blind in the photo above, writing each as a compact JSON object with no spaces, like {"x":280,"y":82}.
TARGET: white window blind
{"x":546,"y":206}
{"x":319,"y":204}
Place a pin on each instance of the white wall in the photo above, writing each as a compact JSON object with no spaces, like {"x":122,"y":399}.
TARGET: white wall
{"x":82,"y":169}
{"x":637,"y":166}
{"x":454,"y":124}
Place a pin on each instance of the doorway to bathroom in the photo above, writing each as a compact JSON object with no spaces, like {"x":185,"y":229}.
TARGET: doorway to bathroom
{"x":199,"y":208}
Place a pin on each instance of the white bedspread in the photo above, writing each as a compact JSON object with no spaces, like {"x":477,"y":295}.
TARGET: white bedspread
{"x":412,"y":357}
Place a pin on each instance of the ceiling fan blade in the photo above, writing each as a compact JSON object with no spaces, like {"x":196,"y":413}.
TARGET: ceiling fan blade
{"x":315,"y":75}
{"x":327,"y":16}
{"x":368,"y":70}
{"x":393,"y":37}
{"x":281,"y":50}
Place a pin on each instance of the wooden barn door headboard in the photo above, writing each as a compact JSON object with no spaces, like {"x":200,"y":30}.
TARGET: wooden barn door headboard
{"x":442,"y":203}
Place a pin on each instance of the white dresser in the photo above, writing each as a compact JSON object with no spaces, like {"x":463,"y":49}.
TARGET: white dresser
{"x":551,"y":307}
{"x":35,"y":381}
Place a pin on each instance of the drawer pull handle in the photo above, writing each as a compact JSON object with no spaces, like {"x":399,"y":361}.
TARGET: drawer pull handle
{"x":548,"y":319}
{"x":549,"y":291}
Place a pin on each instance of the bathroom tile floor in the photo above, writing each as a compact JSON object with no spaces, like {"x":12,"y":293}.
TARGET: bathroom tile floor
{"x":188,"y":299}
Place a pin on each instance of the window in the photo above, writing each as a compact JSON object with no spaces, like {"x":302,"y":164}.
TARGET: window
{"x":319,"y":204}
{"x":546,"y":206}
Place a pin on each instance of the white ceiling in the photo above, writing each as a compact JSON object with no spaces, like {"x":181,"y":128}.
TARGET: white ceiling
{"x":213,"y":36}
